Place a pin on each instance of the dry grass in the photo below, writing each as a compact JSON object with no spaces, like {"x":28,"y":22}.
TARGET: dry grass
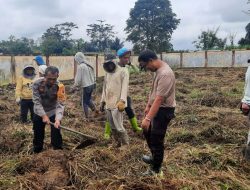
{"x":202,"y":148}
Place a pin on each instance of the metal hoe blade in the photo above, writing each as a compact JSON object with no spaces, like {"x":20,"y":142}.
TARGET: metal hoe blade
{"x":86,"y":139}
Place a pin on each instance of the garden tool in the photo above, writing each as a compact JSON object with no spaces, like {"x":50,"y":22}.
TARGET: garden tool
{"x":86,"y":139}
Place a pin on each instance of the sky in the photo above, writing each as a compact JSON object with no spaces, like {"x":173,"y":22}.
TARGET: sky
{"x":31,"y":18}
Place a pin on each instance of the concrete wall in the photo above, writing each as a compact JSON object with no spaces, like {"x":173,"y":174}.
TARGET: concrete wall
{"x":241,"y":57}
{"x":173,"y":59}
{"x":65,"y":66}
{"x":10,"y":68}
{"x":237,"y":58}
{"x":194,"y":59}
{"x":219,"y":59}
{"x":5,"y":70}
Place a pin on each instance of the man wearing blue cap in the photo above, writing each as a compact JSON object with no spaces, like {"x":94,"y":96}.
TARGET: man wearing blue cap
{"x":39,"y":60}
{"x":41,"y":65}
{"x":124,"y":61}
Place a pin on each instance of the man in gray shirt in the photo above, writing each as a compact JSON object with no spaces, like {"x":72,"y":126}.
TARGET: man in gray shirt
{"x":48,"y":98}
{"x":85,"y":78}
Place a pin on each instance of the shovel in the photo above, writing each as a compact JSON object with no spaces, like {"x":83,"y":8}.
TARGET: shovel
{"x":86,"y":139}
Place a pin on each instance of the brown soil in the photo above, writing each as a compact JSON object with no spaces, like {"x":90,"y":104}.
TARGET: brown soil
{"x":202,"y":148}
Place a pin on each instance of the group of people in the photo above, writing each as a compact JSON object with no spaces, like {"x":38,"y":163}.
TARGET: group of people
{"x":115,"y":99}
{"x":45,"y":96}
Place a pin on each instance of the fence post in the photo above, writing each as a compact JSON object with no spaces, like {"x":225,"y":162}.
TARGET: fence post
{"x":161,"y":55}
{"x":47,"y":60}
{"x":233,"y":58}
{"x":13,"y":69}
{"x":96,"y":65}
{"x":206,"y":59}
{"x":181,"y":59}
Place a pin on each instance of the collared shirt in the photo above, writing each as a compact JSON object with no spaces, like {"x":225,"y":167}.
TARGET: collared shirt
{"x":46,"y":99}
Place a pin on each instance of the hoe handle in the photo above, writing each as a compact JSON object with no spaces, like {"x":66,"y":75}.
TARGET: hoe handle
{"x":77,"y":132}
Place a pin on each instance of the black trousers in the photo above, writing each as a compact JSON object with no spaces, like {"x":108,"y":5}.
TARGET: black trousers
{"x":155,"y":135}
{"x":26,"y":106}
{"x":39,"y":131}
{"x":129,"y":111}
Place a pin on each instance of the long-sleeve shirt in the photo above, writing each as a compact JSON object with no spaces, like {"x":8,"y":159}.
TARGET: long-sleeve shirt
{"x":24,"y":88}
{"x":85,"y":75}
{"x":46,"y":99}
{"x":132,"y":69}
{"x":246,"y":98}
{"x":115,"y":87}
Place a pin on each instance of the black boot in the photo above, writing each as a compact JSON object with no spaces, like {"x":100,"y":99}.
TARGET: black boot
{"x":147,"y":159}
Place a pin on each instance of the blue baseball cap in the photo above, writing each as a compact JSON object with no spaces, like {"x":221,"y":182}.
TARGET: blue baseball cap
{"x":121,"y":52}
{"x":39,"y":60}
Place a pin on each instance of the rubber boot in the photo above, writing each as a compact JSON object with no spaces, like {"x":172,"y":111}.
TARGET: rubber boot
{"x":134,"y":124}
{"x":107,"y":131}
{"x":124,"y":138}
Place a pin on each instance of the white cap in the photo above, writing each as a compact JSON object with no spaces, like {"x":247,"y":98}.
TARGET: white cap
{"x":41,"y":69}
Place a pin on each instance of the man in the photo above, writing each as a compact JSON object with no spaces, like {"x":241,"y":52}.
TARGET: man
{"x":124,"y":61}
{"x":41,"y":65}
{"x":48,"y":98}
{"x":245,"y":108}
{"x":41,"y":70}
{"x":24,"y":92}
{"x":114,"y":96}
{"x":39,"y":60}
{"x":159,"y":110}
{"x":85,"y":78}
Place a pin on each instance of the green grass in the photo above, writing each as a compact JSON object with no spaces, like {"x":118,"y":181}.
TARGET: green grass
{"x":196,"y":93}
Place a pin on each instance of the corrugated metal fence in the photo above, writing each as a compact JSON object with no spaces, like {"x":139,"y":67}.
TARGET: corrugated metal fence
{"x":11,"y":66}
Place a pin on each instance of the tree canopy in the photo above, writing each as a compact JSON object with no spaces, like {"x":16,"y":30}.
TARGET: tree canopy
{"x":102,"y":37}
{"x":15,"y":46}
{"x":208,"y":40}
{"x":246,"y":41}
{"x":56,"y":40}
{"x":151,"y":25}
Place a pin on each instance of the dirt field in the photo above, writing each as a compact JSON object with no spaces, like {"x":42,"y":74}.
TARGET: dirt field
{"x":202,"y":147}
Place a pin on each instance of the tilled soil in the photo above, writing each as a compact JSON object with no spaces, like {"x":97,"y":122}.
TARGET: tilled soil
{"x":203,"y":146}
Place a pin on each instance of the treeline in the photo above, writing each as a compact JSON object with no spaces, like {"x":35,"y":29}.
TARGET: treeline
{"x":150,"y":25}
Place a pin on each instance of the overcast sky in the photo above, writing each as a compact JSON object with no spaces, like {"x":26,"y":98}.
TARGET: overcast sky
{"x":31,"y":18}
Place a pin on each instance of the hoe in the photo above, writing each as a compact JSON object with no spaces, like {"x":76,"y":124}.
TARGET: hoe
{"x":86,"y":139}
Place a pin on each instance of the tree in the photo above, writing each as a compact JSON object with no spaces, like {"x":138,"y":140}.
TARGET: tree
{"x":56,"y":40}
{"x":246,"y":41}
{"x":15,"y":46}
{"x":79,"y":45}
{"x":101,"y":35}
{"x":151,"y":25}
{"x":209,"y":40}
{"x":116,"y":44}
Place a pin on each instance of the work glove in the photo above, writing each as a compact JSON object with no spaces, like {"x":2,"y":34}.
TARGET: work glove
{"x":18,"y":100}
{"x":102,"y":106}
{"x":121,"y":105}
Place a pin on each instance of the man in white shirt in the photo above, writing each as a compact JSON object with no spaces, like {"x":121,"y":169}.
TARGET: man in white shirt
{"x":245,"y":108}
